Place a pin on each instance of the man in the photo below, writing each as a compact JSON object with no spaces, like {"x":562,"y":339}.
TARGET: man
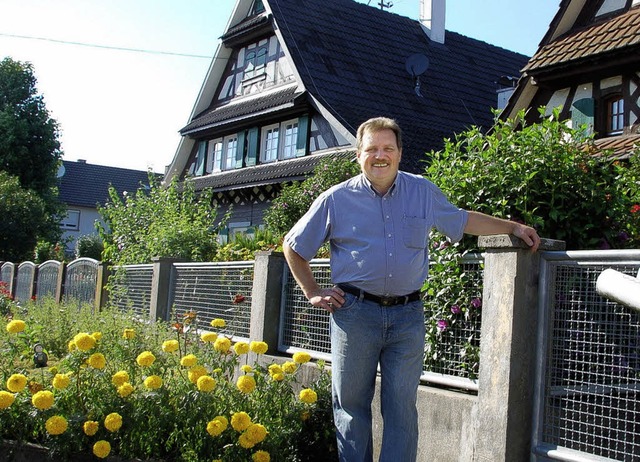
{"x":378,"y":224}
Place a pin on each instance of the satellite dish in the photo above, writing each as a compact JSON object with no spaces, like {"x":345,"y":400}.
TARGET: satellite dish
{"x":60,"y":173}
{"x":416,"y":65}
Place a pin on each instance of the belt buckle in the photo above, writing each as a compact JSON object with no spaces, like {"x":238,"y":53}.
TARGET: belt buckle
{"x":387,"y":301}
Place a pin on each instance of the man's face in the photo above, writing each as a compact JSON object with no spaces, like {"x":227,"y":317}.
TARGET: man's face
{"x":379,"y":158}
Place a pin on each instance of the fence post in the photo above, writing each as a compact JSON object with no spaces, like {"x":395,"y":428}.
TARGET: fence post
{"x":161,"y":288}
{"x":504,"y":408}
{"x":62,"y":275}
{"x":102,"y":295}
{"x":266,"y":297}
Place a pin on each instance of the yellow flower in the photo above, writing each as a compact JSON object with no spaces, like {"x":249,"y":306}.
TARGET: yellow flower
{"x":16,"y":326}
{"x":113,"y":422}
{"x":196,"y":372}
{"x":240,"y":421}
{"x":101,"y":449}
{"x":217,"y":425}
{"x":128,"y":334}
{"x":276,"y":370}
{"x":53,"y":370}
{"x":241,"y":348}
{"x":16,"y":383}
{"x":169,"y":346}
{"x":84,"y":342}
{"x":42,"y":400}
{"x":97,"y":361}
{"x":206,"y":383}
{"x":256,"y":433}
{"x":90,"y":427}
{"x":209,"y":337}
{"x":289,"y":367}
{"x":220,"y":323}
{"x":56,"y":425}
{"x":246,"y":368}
{"x":246,"y":384}
{"x":308,"y":396}
{"x":145,"y":359}
{"x":304,"y":415}
{"x":6,"y":399}
{"x":222,"y":344}
{"x":153,"y":382}
{"x":278,"y":377}
{"x":61,"y":381}
{"x":119,"y":378}
{"x":97,"y":336}
{"x":245,"y":441}
{"x":301,"y":357}
{"x":125,"y":389}
{"x":189,"y":360}
{"x":259,"y":348}
{"x":261,"y":456}
{"x":71,"y":346}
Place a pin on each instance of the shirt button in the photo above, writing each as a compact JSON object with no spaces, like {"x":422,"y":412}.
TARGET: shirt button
{"x":389,"y":235}
{"x":391,"y":255}
{"x":390,"y":275}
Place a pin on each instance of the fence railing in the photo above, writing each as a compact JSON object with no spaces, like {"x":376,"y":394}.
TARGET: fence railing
{"x":588,"y":381}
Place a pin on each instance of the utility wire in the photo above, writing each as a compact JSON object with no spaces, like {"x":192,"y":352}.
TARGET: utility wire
{"x":91,"y":45}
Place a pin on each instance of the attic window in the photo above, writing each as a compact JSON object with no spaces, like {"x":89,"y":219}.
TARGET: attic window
{"x":610,"y":6}
{"x":256,"y":8}
{"x":255,"y":60}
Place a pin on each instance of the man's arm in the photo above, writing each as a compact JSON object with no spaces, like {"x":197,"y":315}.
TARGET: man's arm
{"x":329,"y":299}
{"x":480,"y":224}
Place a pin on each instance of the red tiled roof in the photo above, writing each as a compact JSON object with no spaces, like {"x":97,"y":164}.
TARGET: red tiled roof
{"x":619,"y":147}
{"x":612,"y":35}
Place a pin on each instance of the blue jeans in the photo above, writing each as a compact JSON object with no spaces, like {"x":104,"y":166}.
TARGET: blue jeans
{"x":363,"y":335}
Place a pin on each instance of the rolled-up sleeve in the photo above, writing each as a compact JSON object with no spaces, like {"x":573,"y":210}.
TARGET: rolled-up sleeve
{"x":312,"y":230}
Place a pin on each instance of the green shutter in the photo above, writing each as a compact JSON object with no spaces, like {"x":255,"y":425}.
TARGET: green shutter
{"x":582,"y":114}
{"x":303,"y":136}
{"x":240,"y":150}
{"x":252,"y":146}
{"x":200,"y":158}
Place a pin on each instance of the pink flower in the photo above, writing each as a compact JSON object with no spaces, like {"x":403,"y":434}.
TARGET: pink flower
{"x":476,"y":303}
{"x":442,"y":324}
{"x":455,"y":309}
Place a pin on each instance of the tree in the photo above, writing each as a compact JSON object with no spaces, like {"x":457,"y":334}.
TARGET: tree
{"x":29,"y":151}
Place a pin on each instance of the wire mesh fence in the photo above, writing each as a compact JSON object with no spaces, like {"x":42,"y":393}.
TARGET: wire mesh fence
{"x":589,"y":395}
{"x":214,"y":290}
{"x":131,"y":288}
{"x":47,"y":281}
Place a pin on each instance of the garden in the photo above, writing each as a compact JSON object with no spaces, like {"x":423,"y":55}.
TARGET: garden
{"x":119,"y":388}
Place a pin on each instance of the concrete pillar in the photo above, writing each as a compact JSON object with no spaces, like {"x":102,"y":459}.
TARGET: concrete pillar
{"x":504,"y":407}
{"x":266,"y":298}
{"x":62,"y":274}
{"x":161,"y":288}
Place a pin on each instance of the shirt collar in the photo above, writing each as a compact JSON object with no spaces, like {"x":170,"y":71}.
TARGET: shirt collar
{"x":393,"y":190}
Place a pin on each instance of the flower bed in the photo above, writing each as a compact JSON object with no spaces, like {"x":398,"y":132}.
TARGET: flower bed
{"x":135,"y":390}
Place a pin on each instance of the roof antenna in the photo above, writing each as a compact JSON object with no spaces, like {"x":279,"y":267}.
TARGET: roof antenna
{"x":416,"y":65}
{"x":384,"y":5}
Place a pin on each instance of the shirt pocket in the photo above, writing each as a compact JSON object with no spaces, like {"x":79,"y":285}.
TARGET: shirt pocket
{"x":415,"y":232}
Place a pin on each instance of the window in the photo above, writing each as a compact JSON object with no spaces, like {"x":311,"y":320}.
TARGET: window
{"x":214,"y":156}
{"x":255,"y":61}
{"x":257,"y":7}
{"x":615,"y":115}
{"x":230,"y":150}
{"x":72,"y":221}
{"x":279,"y":141}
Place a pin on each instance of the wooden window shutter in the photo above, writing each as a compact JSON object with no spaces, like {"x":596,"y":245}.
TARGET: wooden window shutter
{"x":582,"y":113}
{"x":252,"y":146}
{"x":303,"y":136}
{"x":200,"y":158}
{"x":240,"y":149}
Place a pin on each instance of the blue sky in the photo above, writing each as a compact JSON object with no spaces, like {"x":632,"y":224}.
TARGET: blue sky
{"x":124,"y":108}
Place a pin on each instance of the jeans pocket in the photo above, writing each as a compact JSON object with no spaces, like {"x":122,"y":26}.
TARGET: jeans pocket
{"x":350,"y":301}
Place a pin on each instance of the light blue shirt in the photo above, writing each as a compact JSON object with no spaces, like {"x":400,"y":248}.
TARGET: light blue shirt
{"x":379,"y":244}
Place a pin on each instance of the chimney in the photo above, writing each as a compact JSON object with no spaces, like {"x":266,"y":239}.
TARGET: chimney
{"x":432,"y":15}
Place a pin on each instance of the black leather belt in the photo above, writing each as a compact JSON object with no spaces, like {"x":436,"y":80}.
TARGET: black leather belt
{"x":383,"y":301}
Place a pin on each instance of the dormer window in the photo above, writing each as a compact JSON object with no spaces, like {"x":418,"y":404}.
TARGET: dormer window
{"x":615,"y":115}
{"x":255,"y":61}
{"x":256,"y":8}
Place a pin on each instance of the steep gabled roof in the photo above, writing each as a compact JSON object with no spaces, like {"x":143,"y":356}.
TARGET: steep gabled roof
{"x":352,"y":60}
{"x":85,"y":185}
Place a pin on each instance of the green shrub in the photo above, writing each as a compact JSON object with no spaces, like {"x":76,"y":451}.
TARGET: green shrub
{"x":89,"y":246}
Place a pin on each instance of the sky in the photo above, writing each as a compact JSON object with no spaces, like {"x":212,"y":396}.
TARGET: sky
{"x":121,"y":76}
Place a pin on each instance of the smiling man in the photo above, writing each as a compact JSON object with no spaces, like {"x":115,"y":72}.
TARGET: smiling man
{"x":378,"y":225}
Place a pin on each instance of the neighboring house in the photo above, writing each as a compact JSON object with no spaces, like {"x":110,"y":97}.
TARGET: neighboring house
{"x":588,"y":64}
{"x":292,"y":80}
{"x":83,"y":187}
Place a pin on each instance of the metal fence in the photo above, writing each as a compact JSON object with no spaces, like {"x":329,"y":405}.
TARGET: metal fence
{"x":587,"y":404}
{"x":305,"y":327}
{"x":80,"y":281}
{"x":214,"y":290}
{"x":25,"y":278}
{"x":131,"y":288}
{"x":47,"y":282}
{"x":6,"y":273}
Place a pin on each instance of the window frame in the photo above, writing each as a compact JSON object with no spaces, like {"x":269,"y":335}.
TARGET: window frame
{"x":615,"y":121}
{"x":229,"y":162}
{"x":283,"y":150}
{"x":68,"y":224}
{"x":214,"y":156}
